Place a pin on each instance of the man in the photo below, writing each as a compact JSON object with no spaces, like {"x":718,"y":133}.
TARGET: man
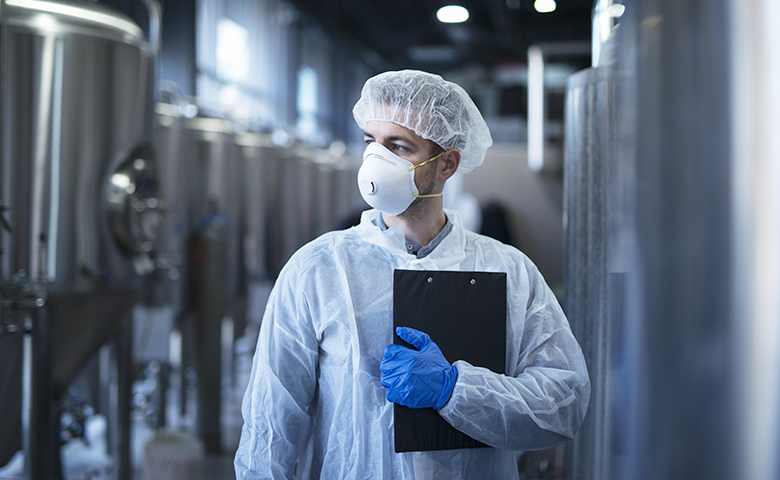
{"x":319,"y":401}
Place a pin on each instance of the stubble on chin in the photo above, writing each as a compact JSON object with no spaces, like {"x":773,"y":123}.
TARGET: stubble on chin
{"x":421,"y":206}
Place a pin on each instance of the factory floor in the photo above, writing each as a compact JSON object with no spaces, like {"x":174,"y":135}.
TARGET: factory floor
{"x":236,"y":366}
{"x":89,"y":461}
{"x":211,"y":466}
{"x":218,"y":467}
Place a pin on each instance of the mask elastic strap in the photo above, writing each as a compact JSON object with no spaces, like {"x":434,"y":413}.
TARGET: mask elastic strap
{"x":430,"y":195}
{"x":427,"y":161}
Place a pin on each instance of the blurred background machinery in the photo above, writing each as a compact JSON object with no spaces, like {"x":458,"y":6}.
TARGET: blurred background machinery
{"x":81,"y":211}
{"x":140,"y":237}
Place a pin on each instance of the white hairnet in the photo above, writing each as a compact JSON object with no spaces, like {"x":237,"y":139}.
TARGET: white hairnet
{"x":431,"y":107}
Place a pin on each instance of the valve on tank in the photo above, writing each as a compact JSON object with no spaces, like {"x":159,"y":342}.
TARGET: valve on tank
{"x":134,"y":210}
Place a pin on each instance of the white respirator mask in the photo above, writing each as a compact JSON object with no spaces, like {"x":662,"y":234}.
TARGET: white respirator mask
{"x":386,"y":181}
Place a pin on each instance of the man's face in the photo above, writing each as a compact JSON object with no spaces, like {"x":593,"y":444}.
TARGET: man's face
{"x":411,"y":147}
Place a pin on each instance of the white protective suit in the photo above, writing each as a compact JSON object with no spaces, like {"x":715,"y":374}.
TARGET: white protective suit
{"x":315,"y":398}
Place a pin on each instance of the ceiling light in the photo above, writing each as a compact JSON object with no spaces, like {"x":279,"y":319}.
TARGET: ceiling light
{"x":545,"y":6}
{"x":452,"y":14}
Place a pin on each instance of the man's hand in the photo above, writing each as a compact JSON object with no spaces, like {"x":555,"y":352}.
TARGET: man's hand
{"x":420,"y":378}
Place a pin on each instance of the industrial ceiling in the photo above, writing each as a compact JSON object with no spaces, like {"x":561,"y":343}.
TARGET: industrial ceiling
{"x":391,"y":34}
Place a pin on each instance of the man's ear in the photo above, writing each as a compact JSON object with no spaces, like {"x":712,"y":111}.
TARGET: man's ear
{"x":450,"y":161}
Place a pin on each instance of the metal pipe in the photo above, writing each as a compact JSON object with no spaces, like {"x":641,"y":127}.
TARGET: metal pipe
{"x":3,"y":194}
{"x":37,"y":424}
{"x":124,"y":366}
{"x":755,"y":76}
{"x":154,"y":9}
{"x":535,"y":109}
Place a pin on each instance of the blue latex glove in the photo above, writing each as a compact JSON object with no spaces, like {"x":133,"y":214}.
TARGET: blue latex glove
{"x":420,"y":378}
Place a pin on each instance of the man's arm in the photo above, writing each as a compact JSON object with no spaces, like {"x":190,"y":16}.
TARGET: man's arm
{"x":281,"y":386}
{"x":543,"y":403}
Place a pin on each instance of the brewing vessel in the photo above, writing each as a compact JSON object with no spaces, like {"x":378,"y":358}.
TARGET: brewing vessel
{"x":78,"y":188}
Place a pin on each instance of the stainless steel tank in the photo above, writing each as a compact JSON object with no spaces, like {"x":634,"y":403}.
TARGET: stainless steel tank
{"x":592,"y":276}
{"x":336,"y":195}
{"x":323,"y":194}
{"x":693,"y":179}
{"x":676,"y":229}
{"x":315,"y":194}
{"x":216,"y":180}
{"x":157,"y":318}
{"x":305,"y":195}
{"x":297,"y":178}
{"x":258,"y":154}
{"x":78,"y":177}
{"x":170,"y":242}
{"x":273,"y":207}
{"x":347,"y":202}
{"x":217,"y":287}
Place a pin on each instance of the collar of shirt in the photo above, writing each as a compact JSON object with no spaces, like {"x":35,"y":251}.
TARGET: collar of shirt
{"x":411,"y":247}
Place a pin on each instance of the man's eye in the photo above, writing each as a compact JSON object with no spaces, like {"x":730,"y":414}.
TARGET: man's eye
{"x":399,"y":148}
{"x":368,"y":140}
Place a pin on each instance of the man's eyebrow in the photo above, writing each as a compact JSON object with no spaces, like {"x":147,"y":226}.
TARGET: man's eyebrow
{"x":401,"y":137}
{"x":393,"y":138}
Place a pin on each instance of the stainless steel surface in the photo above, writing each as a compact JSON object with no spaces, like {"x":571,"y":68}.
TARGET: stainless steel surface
{"x":75,"y":110}
{"x":215,"y":217}
{"x":81,"y":324}
{"x":10,"y":403}
{"x":274,"y":213}
{"x":603,"y":21}
{"x":123,"y":344}
{"x":211,"y":302}
{"x":592,"y":279}
{"x":317,"y":193}
{"x":297,"y":199}
{"x":258,"y":152}
{"x":73,"y":17}
{"x":250,"y":203}
{"x":38,"y":423}
{"x":154,"y":10}
{"x":323,"y":218}
{"x":675,"y":146}
{"x":690,"y":211}
{"x":755,"y":110}
{"x":331,"y":196}
{"x":344,"y":193}
{"x":168,"y":286}
{"x":216,"y":185}
{"x":133,"y":209}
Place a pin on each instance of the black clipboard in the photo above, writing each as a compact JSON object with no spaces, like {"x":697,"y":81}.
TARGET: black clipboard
{"x":465,"y":314}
